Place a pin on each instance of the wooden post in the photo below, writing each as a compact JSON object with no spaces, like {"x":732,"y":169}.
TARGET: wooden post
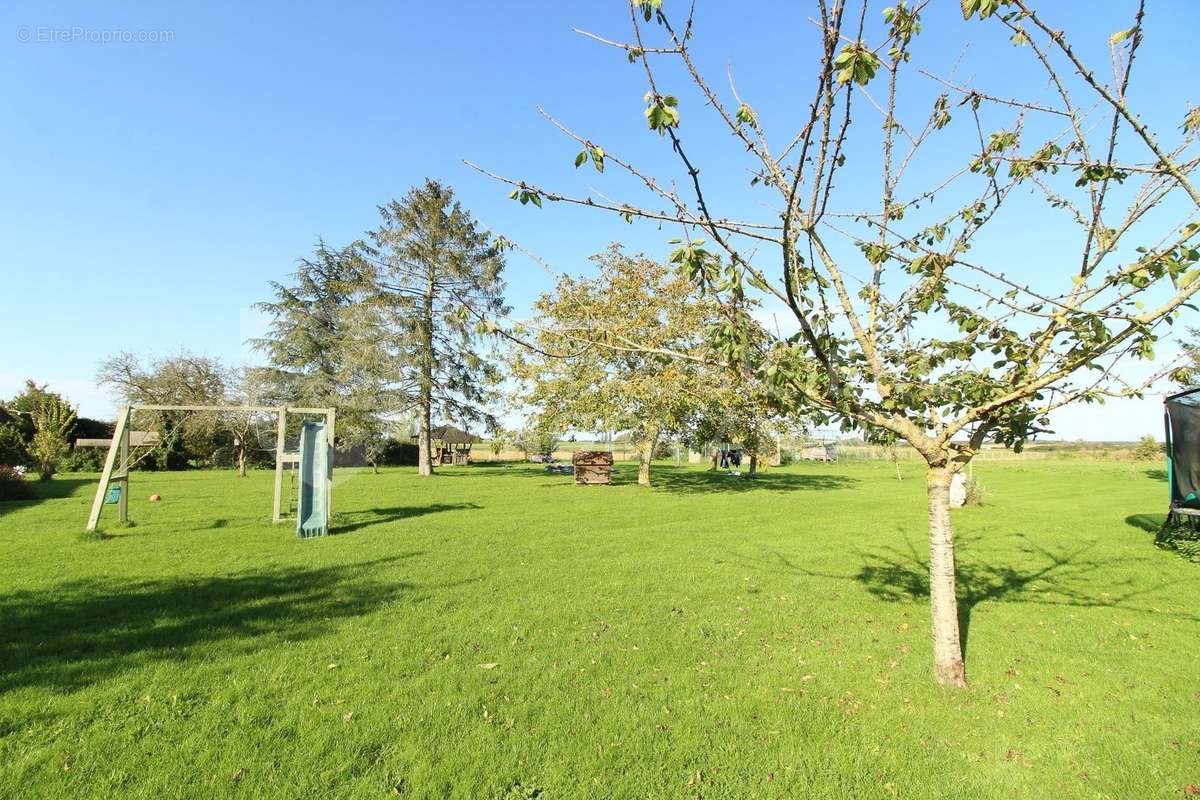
{"x":330,"y":419}
{"x":106,"y":474}
{"x":123,"y":481}
{"x":280,"y":436}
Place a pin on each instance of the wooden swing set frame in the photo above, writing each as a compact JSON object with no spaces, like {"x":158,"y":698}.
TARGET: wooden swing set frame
{"x":118,"y":448}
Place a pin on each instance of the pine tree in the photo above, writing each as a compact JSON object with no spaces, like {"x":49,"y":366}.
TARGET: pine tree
{"x":433,"y":283}
{"x":310,"y":349}
{"x":305,"y":344}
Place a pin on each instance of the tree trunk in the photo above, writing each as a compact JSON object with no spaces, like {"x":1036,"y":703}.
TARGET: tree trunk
{"x":241,"y":457}
{"x":424,"y":446}
{"x":947,"y":648}
{"x":753,"y":464}
{"x":425,"y":402}
{"x":645,"y":454}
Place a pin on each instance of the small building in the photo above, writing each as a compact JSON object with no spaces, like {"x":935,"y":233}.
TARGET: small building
{"x":450,"y":445}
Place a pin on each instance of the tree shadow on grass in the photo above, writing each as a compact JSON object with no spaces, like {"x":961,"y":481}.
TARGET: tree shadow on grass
{"x":1045,"y":577}
{"x":681,"y":480}
{"x":902,"y":575}
{"x":77,"y":633}
{"x":1157,"y":474}
{"x":56,"y":489}
{"x":356,"y":520}
{"x":690,"y":481}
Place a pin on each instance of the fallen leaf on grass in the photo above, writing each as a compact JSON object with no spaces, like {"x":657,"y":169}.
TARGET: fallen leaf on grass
{"x":489,"y":665}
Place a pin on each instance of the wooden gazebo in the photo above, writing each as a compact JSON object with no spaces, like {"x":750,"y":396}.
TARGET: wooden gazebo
{"x":451,"y":446}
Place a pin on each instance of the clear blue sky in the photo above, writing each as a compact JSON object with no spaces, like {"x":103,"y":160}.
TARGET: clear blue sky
{"x":149,"y":191}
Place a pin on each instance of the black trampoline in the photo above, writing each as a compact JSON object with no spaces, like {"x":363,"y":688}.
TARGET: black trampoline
{"x":1183,"y":454}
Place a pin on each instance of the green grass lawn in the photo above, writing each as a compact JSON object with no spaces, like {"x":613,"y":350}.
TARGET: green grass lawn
{"x":498,"y":632}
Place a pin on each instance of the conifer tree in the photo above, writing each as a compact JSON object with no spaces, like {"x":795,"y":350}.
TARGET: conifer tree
{"x":431,"y":282}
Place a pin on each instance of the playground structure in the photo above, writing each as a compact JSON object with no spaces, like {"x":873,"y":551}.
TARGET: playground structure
{"x":1181,"y":412}
{"x":313,"y":460}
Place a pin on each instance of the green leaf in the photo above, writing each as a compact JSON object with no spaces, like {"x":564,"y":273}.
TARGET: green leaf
{"x":757,"y":282}
{"x":648,"y":7}
{"x":1121,"y":36}
{"x":662,"y":113}
{"x":579,"y":159}
{"x":597,"y":158}
{"x":856,"y":63}
{"x":745,"y":116}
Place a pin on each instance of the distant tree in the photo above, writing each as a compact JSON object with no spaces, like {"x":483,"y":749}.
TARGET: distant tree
{"x":537,"y":437}
{"x":419,"y":321}
{"x":306,"y":342}
{"x":499,"y":438}
{"x":247,"y":387}
{"x":18,"y":426}
{"x":14,"y":449}
{"x":1147,"y":449}
{"x":53,"y":421}
{"x":183,"y":379}
{"x":887,"y":441}
{"x":1188,"y":374}
{"x":313,"y":356}
{"x":597,"y":356}
{"x":739,"y":410}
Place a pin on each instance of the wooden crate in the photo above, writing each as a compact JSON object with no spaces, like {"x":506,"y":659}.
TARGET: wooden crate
{"x":592,"y":467}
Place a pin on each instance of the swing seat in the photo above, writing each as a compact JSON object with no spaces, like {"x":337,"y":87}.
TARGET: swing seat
{"x":114,"y":495}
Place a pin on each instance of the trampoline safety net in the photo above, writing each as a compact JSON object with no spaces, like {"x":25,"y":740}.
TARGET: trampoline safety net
{"x":1183,"y":448}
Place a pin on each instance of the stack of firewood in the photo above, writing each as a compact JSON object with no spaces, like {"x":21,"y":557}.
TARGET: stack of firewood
{"x":592,"y":467}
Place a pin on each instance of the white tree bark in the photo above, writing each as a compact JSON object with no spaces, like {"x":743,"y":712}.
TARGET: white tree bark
{"x":947,"y":647}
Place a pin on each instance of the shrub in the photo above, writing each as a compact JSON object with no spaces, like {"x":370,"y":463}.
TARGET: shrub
{"x":787,"y":457}
{"x":664,"y":449}
{"x":974,"y":492}
{"x":84,"y":459}
{"x":13,"y":448}
{"x":396,"y":453}
{"x":1147,"y":449}
{"x":53,"y":421}
{"x":13,"y":485}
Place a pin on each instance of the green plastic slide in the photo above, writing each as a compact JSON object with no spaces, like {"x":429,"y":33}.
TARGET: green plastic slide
{"x":312,"y":506}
